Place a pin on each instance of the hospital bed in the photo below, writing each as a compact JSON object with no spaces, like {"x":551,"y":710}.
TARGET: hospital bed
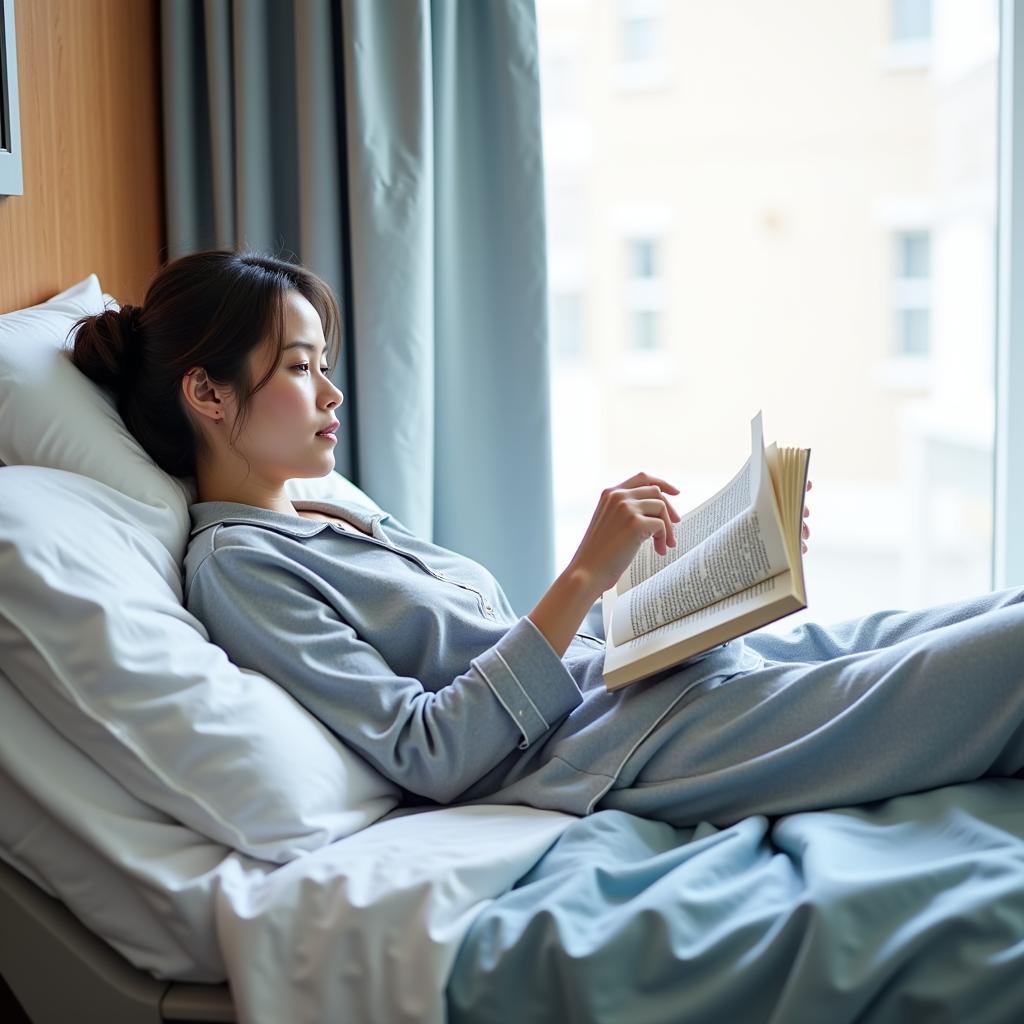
{"x":179,"y":840}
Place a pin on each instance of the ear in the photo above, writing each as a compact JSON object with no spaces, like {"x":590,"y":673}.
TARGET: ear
{"x":202,"y":396}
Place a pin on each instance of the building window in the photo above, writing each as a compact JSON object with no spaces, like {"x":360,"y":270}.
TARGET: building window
{"x":644,"y":294}
{"x":639,"y":35}
{"x":910,"y":35}
{"x":914,"y":332}
{"x":643,"y":330}
{"x":911,"y":21}
{"x":643,"y":258}
{"x":912,"y":293}
{"x":641,"y":32}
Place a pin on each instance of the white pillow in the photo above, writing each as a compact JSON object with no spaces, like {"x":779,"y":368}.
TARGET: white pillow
{"x":146,"y":690}
{"x":115,"y":862}
{"x":332,"y":487}
{"x":96,"y":638}
{"x":51,"y":414}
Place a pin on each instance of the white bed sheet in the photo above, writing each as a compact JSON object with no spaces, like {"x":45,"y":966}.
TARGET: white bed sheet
{"x":368,"y":928}
{"x":364,"y":929}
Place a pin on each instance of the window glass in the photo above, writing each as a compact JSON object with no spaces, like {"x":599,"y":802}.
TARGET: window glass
{"x":911,"y":20}
{"x":789,"y":220}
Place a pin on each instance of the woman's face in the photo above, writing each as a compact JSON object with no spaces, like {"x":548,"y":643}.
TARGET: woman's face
{"x":280,"y":437}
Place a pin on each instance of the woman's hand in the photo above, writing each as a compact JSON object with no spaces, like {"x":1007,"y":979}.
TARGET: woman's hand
{"x":626,"y":516}
{"x":806,"y":529}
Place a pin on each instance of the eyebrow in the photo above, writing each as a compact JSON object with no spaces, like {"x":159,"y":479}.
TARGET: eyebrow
{"x":303,"y":344}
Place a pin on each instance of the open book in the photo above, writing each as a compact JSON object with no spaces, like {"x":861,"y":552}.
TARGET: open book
{"x":737,"y":565}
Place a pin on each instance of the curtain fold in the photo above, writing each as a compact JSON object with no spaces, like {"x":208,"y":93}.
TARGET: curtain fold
{"x":394,"y":147}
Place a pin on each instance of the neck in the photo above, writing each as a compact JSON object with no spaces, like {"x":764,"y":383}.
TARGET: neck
{"x":216,"y":485}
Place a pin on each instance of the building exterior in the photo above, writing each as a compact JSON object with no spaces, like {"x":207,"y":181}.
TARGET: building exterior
{"x":786,"y":206}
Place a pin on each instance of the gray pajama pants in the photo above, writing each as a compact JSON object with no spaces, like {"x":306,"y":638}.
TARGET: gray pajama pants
{"x":894,"y":702}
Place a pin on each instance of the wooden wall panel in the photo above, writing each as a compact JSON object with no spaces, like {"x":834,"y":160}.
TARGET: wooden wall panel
{"x":89,"y":78}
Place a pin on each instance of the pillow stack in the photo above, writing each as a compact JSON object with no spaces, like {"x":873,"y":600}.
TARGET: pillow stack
{"x":95,"y":637}
{"x":52,"y":415}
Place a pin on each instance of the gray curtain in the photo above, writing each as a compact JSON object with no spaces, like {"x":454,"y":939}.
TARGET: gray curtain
{"x":394,"y":147}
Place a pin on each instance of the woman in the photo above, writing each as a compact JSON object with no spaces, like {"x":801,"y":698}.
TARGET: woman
{"x":412,"y":655}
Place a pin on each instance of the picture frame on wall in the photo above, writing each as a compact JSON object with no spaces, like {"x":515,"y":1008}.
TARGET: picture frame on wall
{"x":11,"y":181}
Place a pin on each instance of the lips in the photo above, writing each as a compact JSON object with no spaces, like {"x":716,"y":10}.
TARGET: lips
{"x":329,"y":430}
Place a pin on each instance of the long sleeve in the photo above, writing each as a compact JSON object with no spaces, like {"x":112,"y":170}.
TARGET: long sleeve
{"x":269,"y":615}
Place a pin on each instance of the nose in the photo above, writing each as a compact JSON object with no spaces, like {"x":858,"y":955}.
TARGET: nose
{"x":334,"y":395}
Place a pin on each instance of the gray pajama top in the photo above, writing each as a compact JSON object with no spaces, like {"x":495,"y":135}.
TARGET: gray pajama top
{"x":412,"y":655}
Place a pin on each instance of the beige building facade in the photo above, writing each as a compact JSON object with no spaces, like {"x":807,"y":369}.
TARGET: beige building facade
{"x":784,"y":205}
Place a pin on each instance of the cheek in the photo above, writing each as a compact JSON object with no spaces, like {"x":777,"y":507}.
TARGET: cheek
{"x":282,"y":405}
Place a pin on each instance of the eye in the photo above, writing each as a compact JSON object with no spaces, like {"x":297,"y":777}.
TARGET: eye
{"x":305,"y":368}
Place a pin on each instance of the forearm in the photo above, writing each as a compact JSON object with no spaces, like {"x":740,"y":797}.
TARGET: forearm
{"x":561,"y":611}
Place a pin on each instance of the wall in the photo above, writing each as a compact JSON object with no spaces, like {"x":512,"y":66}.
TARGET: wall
{"x":89,"y":78}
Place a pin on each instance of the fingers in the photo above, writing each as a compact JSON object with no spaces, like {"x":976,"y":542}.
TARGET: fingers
{"x":639,"y":479}
{"x":659,"y":509}
{"x":655,"y":491}
{"x":658,"y":506}
{"x":806,"y":530}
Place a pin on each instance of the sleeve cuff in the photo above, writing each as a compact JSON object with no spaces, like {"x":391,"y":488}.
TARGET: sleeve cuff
{"x":530,"y":681}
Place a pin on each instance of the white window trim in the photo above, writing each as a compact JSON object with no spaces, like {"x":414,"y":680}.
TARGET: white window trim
{"x":906,"y":373}
{"x":910,"y":55}
{"x":649,"y":368}
{"x":643,"y":76}
{"x":641,"y":220}
{"x":1008,"y":537}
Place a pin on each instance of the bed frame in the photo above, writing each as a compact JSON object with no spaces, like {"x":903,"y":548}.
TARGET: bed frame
{"x":55,"y":970}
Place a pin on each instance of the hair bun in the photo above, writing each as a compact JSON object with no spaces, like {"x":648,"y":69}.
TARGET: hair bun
{"x":107,"y":347}
{"x":129,"y":316}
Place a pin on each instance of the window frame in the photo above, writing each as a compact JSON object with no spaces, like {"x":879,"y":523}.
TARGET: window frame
{"x":1008,"y":476}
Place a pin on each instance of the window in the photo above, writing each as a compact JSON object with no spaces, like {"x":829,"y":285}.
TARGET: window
{"x":643,"y":330}
{"x":639,"y":38}
{"x":640,"y":30}
{"x":910,"y":35}
{"x":643,"y":258}
{"x":644,"y":295}
{"x":912,"y":293}
{"x":779,"y":231}
{"x":911,"y":21}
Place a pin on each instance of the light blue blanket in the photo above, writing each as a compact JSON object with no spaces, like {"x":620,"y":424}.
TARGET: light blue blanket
{"x":907,"y":910}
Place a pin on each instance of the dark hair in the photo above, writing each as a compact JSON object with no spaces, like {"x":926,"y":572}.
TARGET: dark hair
{"x":208,"y":309}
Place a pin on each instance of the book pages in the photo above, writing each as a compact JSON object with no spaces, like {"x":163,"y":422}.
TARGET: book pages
{"x":733,"y":553}
{"x":693,"y":528}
